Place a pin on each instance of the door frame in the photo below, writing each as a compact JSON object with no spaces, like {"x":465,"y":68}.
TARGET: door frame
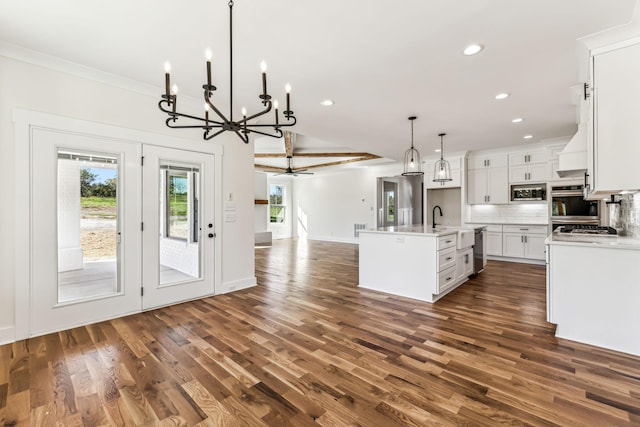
{"x":24,"y":123}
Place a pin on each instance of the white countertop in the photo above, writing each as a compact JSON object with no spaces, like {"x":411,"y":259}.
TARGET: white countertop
{"x":501,"y":222}
{"x":614,"y":242}
{"x":418,"y":229}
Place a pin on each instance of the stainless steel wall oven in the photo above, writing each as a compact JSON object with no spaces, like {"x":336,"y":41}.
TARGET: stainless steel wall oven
{"x":569,"y":207}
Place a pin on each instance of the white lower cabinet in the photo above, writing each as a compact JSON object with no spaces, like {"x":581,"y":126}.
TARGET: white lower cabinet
{"x":464,"y":264}
{"x":446,"y":279}
{"x":446,"y":262}
{"x":493,"y":236}
{"x":524,"y":241}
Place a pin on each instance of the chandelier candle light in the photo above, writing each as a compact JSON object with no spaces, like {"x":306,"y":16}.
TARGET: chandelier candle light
{"x":412,"y":162}
{"x":442,"y":170}
{"x":215,"y":126}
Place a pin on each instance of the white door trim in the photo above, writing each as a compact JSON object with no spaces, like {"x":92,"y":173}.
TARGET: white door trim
{"x":24,"y":122}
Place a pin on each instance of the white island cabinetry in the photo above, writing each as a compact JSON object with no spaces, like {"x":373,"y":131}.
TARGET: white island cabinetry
{"x":413,"y":262}
{"x":593,"y":291}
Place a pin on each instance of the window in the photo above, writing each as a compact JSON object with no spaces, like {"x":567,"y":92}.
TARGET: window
{"x":181,"y":207}
{"x":277,"y":205}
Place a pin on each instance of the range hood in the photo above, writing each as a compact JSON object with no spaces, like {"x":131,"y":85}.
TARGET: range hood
{"x":573,"y":159}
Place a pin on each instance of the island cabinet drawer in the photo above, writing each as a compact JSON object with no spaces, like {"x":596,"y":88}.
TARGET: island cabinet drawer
{"x":446,"y":241}
{"x":446,"y":279}
{"x":446,"y":258}
{"x":526,"y":229}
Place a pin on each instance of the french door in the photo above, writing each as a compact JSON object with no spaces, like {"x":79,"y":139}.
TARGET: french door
{"x":110,"y":236}
{"x":178,"y":238}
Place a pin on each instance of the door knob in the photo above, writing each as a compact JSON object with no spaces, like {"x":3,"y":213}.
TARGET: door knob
{"x":212,"y":235}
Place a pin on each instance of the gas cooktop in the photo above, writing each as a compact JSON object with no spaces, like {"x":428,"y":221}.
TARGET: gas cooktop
{"x":587,"y":229}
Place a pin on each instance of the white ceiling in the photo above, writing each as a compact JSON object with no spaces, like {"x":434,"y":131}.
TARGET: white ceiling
{"x":380,"y":61}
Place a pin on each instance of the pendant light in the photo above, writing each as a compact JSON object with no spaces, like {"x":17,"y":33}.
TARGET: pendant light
{"x":442,"y":170}
{"x":412,"y":161}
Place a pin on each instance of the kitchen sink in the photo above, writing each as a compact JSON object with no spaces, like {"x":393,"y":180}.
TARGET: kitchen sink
{"x":466,"y":238}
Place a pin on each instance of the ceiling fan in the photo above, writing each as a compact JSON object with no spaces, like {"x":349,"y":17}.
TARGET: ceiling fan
{"x":291,"y":171}
{"x":288,"y":154}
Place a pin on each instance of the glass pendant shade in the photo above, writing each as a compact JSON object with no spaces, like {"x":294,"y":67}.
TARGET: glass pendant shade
{"x":412,"y":160}
{"x":442,"y":170}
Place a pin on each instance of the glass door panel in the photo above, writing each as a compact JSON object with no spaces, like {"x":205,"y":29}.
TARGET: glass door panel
{"x":88,"y":243}
{"x":179,"y":234}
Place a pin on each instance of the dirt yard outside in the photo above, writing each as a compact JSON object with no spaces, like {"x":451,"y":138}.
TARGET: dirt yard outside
{"x":98,"y":231}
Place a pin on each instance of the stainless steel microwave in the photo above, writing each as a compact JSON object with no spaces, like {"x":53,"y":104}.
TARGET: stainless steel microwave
{"x":528,"y":193}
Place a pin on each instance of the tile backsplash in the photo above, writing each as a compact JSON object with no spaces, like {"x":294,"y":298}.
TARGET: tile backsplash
{"x":517,"y":213}
{"x":625,"y":217}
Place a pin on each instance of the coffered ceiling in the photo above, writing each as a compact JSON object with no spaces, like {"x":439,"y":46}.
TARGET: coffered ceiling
{"x":379,"y":61}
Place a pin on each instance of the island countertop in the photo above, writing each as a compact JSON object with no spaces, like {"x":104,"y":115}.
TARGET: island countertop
{"x":600,"y":241}
{"x":422,"y":229}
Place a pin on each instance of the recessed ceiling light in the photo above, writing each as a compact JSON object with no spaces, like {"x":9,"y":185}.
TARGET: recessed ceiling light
{"x":437,"y":150}
{"x":472,"y":49}
{"x":517,"y":120}
{"x":502,"y":95}
{"x":528,"y":136}
{"x":326,"y":102}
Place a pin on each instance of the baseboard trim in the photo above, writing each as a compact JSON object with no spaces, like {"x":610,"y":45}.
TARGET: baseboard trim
{"x":7,"y":335}
{"x":238,"y":285}
{"x":520,"y":260}
{"x":353,"y":240}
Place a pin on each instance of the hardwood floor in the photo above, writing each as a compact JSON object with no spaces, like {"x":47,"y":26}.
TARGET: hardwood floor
{"x":308,"y":347}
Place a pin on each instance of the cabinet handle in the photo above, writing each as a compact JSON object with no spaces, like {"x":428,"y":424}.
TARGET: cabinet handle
{"x":524,"y":229}
{"x":488,"y":162}
{"x":449,"y":259}
{"x":449,"y":278}
{"x":466,"y":259}
{"x":525,"y":239}
{"x":448,"y":241}
{"x":488,"y":198}
{"x":521,"y":239}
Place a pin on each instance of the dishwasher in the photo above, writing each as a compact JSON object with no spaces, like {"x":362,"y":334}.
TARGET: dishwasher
{"x":479,"y":250}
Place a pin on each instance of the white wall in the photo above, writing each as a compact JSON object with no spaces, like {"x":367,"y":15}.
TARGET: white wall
{"x":449,"y":200}
{"x":40,"y":88}
{"x":260,"y":193}
{"x":328,"y":205}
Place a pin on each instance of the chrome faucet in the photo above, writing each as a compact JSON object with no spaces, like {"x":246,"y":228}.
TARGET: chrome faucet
{"x":433,"y":214}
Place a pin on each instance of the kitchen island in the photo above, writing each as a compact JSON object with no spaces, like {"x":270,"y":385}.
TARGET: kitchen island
{"x":415,"y":261}
{"x":593,"y":290}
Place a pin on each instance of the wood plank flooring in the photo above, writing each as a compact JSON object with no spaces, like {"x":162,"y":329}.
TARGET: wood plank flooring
{"x":307,"y":347}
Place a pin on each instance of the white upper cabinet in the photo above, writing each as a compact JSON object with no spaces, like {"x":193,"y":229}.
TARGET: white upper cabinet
{"x":488,"y":180}
{"x":527,"y":158}
{"x":530,"y":166}
{"x":615,"y":147}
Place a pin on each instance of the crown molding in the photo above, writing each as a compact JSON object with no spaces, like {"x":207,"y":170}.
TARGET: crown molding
{"x":55,"y":63}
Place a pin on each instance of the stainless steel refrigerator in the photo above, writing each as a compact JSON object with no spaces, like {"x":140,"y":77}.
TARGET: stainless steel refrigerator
{"x":400,"y":200}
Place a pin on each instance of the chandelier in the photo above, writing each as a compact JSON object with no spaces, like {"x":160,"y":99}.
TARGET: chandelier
{"x":412,"y":162}
{"x":219,"y":123}
{"x":442,"y":170}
